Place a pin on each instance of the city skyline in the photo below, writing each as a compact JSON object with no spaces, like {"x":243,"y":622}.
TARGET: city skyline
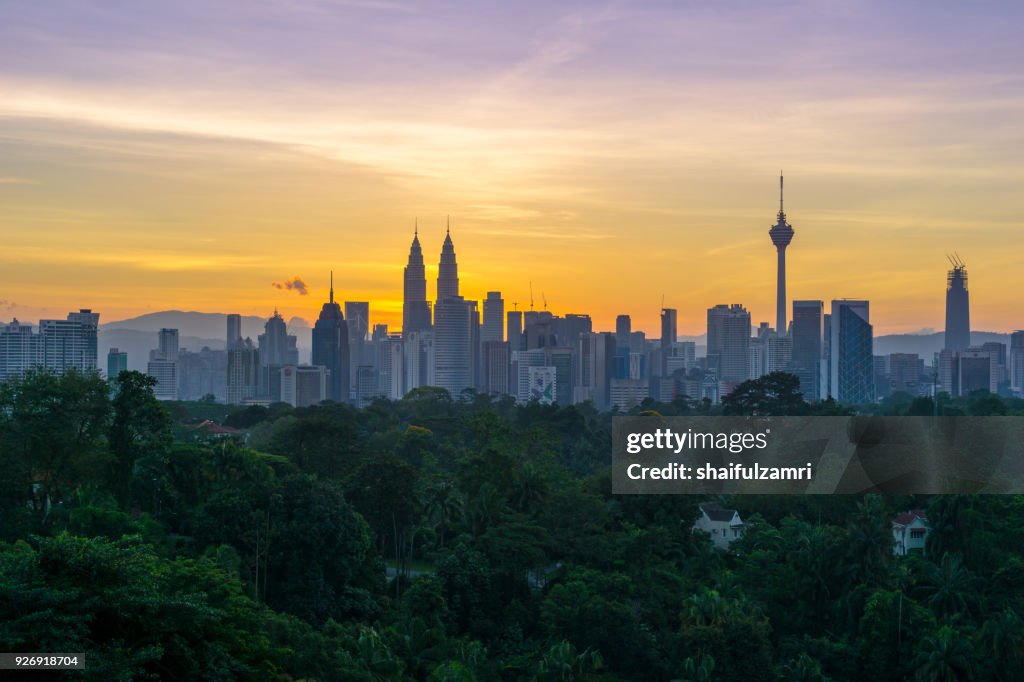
{"x":181,"y":157}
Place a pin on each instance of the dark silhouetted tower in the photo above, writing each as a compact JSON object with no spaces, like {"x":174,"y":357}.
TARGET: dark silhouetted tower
{"x":330,"y":348}
{"x":415,"y":308}
{"x":958,"y":307}
{"x":781,"y":234}
{"x":447,"y":270}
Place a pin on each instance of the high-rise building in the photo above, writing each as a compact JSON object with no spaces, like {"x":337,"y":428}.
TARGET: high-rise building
{"x":515,"y":330}
{"x":851,"y":359}
{"x":495,"y":359}
{"x":71,"y":343}
{"x":1017,"y":361}
{"x":596,"y":357}
{"x":418,"y":360}
{"x":807,"y":333}
{"x":163,"y":365}
{"x":20,"y":349}
{"x":493,"y":328}
{"x":669,"y":320}
{"x":277,"y":348}
{"x":357,"y":316}
{"x":781,"y":234}
{"x":905,"y":371}
{"x":453,"y":353}
{"x":447,"y":270}
{"x":958,"y":307}
{"x":234,"y":336}
{"x":303,"y":385}
{"x":202,"y":374}
{"x":330,"y":348}
{"x":243,"y":372}
{"x":415,"y":307}
{"x":117,"y":362}
{"x":729,"y":344}
{"x":623,"y":330}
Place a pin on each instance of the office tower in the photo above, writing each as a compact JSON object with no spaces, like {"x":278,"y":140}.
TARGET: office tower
{"x":627,"y":393}
{"x":20,"y":349}
{"x":515,"y":330}
{"x":524,"y":361}
{"x":596,"y":358}
{"x":234,"y":337}
{"x":623,"y":330}
{"x":167,"y":344}
{"x":390,"y":378}
{"x":453,"y":354}
{"x":958,"y":308}
{"x":273,"y":342}
{"x":163,"y":365}
{"x":117,"y":362}
{"x":539,"y":332}
{"x":243,"y":372}
{"x":564,"y":361}
{"x":729,"y":344}
{"x":367,"y":385}
{"x":202,"y":374}
{"x":447,"y":270}
{"x":851,"y":360}
{"x":668,"y":337}
{"x":1017,"y":361}
{"x":905,"y":372}
{"x":71,"y":343}
{"x":1001,"y":374}
{"x":330,"y":348}
{"x":493,"y":328}
{"x":495,"y":367}
{"x":357,"y":315}
{"x":781,"y":234}
{"x":303,"y":385}
{"x":415,"y":307}
{"x":682,"y":356}
{"x":977,"y":371}
{"x":567,"y":329}
{"x":418,"y":360}
{"x":807,"y":333}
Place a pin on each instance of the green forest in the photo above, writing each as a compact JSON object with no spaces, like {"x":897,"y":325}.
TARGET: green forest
{"x":467,"y":538}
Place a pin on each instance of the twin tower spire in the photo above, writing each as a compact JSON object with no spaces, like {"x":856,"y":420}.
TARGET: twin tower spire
{"x":415,"y":308}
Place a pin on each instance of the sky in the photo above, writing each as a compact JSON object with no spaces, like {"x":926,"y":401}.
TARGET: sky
{"x":200,"y":156}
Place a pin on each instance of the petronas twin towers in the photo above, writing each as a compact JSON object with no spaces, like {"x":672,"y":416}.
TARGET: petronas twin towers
{"x":416,"y":315}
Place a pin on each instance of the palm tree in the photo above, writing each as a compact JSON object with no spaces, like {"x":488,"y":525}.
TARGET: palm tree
{"x":945,"y":656}
{"x":947,"y":588}
{"x":698,"y":669}
{"x":1003,"y":639}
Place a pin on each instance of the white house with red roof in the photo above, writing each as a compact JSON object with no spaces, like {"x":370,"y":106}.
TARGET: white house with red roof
{"x":909,"y":532}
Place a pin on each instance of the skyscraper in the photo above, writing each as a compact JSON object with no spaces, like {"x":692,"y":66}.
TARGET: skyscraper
{"x":357,"y":314}
{"x":163,"y":365}
{"x":447,"y":269}
{"x":117,"y":362}
{"x":807,"y":336}
{"x":515,"y":330}
{"x":668,"y":336}
{"x":623,"y":330}
{"x":729,"y":343}
{"x":234,"y":337}
{"x":330,"y":348}
{"x":851,"y":352}
{"x":70,"y":343}
{"x":958,"y":308}
{"x":494,"y":318}
{"x":782,"y":234}
{"x":1017,"y":361}
{"x":415,"y":307}
{"x":453,"y":356}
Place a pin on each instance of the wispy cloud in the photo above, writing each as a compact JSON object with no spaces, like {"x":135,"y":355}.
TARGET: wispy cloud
{"x":294,"y":284}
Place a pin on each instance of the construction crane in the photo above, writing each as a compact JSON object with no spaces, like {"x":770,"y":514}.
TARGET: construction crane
{"x":531,"y":294}
{"x":544,"y":298}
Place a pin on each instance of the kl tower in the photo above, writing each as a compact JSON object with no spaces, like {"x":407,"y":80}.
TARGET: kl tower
{"x":781,"y":234}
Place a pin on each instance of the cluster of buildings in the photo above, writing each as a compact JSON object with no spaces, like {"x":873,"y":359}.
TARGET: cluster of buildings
{"x":459,"y":343}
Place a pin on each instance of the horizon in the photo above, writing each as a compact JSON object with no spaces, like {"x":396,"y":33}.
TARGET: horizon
{"x":185,"y":155}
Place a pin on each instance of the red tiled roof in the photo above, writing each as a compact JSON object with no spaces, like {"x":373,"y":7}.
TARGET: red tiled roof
{"x":907,"y":517}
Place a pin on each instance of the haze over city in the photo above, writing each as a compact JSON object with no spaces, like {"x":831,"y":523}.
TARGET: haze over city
{"x":193,"y":156}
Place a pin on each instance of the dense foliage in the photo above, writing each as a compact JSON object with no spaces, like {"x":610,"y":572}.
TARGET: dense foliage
{"x":469,"y":539}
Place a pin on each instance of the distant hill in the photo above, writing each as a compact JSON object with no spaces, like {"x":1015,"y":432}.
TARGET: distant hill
{"x":927,"y":345}
{"x":137,"y":335}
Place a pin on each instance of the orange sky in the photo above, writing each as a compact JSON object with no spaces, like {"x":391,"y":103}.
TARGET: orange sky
{"x":611,"y":157}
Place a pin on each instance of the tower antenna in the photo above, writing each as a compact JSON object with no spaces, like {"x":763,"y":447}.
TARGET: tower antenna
{"x":332,"y":286}
{"x":780,"y":190}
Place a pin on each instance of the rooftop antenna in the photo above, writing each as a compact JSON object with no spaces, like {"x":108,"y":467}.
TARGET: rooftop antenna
{"x":332,"y":286}
{"x":448,"y":229}
{"x":416,"y":227}
{"x":780,"y":190}
{"x":663,"y":301}
{"x":515,"y":306}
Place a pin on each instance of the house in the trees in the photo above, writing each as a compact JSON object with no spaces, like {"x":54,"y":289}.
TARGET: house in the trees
{"x":909,"y":532}
{"x":723,"y":525}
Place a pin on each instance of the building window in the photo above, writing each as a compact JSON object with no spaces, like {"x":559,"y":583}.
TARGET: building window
{"x":916,"y":533}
